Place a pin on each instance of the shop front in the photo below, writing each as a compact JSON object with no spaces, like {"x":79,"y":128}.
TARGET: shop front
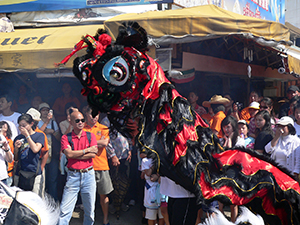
{"x":221,"y":46}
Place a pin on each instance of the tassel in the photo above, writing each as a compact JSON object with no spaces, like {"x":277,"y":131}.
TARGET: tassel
{"x":77,"y":48}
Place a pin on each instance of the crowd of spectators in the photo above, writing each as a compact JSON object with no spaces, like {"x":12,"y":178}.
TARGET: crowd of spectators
{"x":63,"y":151}
{"x":258,"y":127}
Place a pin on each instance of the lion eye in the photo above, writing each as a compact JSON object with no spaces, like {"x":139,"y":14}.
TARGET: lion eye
{"x":116,"y":71}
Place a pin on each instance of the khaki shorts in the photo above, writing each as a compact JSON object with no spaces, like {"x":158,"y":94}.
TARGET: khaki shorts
{"x":103,"y":181}
{"x":151,"y":214}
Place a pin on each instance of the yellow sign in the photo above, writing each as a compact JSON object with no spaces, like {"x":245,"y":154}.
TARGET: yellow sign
{"x":41,"y":47}
{"x":11,"y":2}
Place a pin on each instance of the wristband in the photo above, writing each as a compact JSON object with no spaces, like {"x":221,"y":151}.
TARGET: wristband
{"x":83,"y":152}
{"x":27,"y":137}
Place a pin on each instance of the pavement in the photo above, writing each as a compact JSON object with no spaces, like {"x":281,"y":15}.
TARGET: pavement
{"x":132,"y":217}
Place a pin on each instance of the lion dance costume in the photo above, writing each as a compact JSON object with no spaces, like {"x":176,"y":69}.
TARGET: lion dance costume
{"x":127,"y":84}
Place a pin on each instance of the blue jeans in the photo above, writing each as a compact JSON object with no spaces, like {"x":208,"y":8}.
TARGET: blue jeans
{"x":86,"y":184}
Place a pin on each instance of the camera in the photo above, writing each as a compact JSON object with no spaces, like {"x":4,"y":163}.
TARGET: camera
{"x":22,"y":141}
{"x":239,"y":105}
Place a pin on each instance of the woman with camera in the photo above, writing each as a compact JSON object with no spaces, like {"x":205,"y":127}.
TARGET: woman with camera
{"x":27,"y":150}
{"x":285,"y":146}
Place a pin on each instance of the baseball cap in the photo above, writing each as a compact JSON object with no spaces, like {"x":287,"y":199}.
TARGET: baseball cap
{"x":242,"y":122}
{"x":285,"y":120}
{"x":36,"y":115}
{"x":293,"y":88}
{"x":43,"y":105}
{"x":253,"y":105}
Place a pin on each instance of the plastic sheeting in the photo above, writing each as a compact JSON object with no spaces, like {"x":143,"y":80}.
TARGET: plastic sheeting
{"x":196,"y":23}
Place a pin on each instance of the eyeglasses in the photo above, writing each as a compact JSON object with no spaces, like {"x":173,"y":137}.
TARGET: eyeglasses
{"x":78,"y":120}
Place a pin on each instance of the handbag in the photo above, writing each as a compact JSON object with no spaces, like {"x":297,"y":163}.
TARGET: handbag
{"x":27,"y":178}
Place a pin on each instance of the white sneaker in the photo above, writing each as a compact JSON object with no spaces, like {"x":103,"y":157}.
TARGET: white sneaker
{"x":131,"y":202}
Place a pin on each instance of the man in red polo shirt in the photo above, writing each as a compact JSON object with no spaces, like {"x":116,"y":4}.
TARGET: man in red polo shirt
{"x":81,"y":176}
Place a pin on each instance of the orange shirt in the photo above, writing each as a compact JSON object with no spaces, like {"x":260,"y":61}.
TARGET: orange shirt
{"x":100,"y":161}
{"x":10,"y":167}
{"x":45,"y":148}
{"x":244,"y":115}
{"x":215,"y":123}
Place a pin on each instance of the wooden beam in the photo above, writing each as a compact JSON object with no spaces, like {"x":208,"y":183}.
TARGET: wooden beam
{"x":217,"y":65}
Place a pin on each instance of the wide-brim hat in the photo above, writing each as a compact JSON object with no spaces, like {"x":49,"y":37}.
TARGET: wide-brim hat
{"x":35,"y":114}
{"x":216,"y":99}
{"x":285,"y":120}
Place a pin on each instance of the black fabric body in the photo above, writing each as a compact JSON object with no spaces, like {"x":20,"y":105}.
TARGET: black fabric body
{"x":18,"y":214}
{"x":160,"y":146}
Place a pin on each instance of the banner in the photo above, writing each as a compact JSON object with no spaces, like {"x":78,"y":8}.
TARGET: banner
{"x":273,"y":10}
{"x":7,"y":6}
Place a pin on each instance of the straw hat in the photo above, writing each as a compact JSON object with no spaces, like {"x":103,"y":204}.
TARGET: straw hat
{"x":36,"y":115}
{"x":216,"y":99}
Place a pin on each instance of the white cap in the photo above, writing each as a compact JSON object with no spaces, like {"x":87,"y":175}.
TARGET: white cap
{"x":36,"y":115}
{"x":242,"y":122}
{"x":253,"y":105}
{"x":285,"y":120}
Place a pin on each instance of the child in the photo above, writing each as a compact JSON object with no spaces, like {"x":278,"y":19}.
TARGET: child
{"x":152,"y":195}
{"x":243,"y":132}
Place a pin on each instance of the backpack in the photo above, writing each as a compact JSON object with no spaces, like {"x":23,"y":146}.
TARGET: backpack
{"x":69,"y":135}
{"x":64,"y":159}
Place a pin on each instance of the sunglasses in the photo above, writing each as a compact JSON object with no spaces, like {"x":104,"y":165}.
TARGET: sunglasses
{"x":264,"y":107}
{"x":78,"y":120}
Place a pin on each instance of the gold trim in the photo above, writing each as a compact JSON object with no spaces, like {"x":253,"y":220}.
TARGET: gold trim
{"x":39,"y":218}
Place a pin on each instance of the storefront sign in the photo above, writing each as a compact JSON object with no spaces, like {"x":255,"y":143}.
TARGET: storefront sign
{"x":45,"y":5}
{"x":273,"y":10}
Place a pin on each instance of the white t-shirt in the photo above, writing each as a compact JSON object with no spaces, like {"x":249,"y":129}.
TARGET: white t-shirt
{"x":297,"y":127}
{"x":173,"y":190}
{"x":3,"y":169}
{"x":63,"y":125}
{"x":12,"y":118}
{"x":286,"y":152}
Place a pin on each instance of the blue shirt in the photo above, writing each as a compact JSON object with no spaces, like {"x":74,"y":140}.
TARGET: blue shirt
{"x":29,"y":160}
